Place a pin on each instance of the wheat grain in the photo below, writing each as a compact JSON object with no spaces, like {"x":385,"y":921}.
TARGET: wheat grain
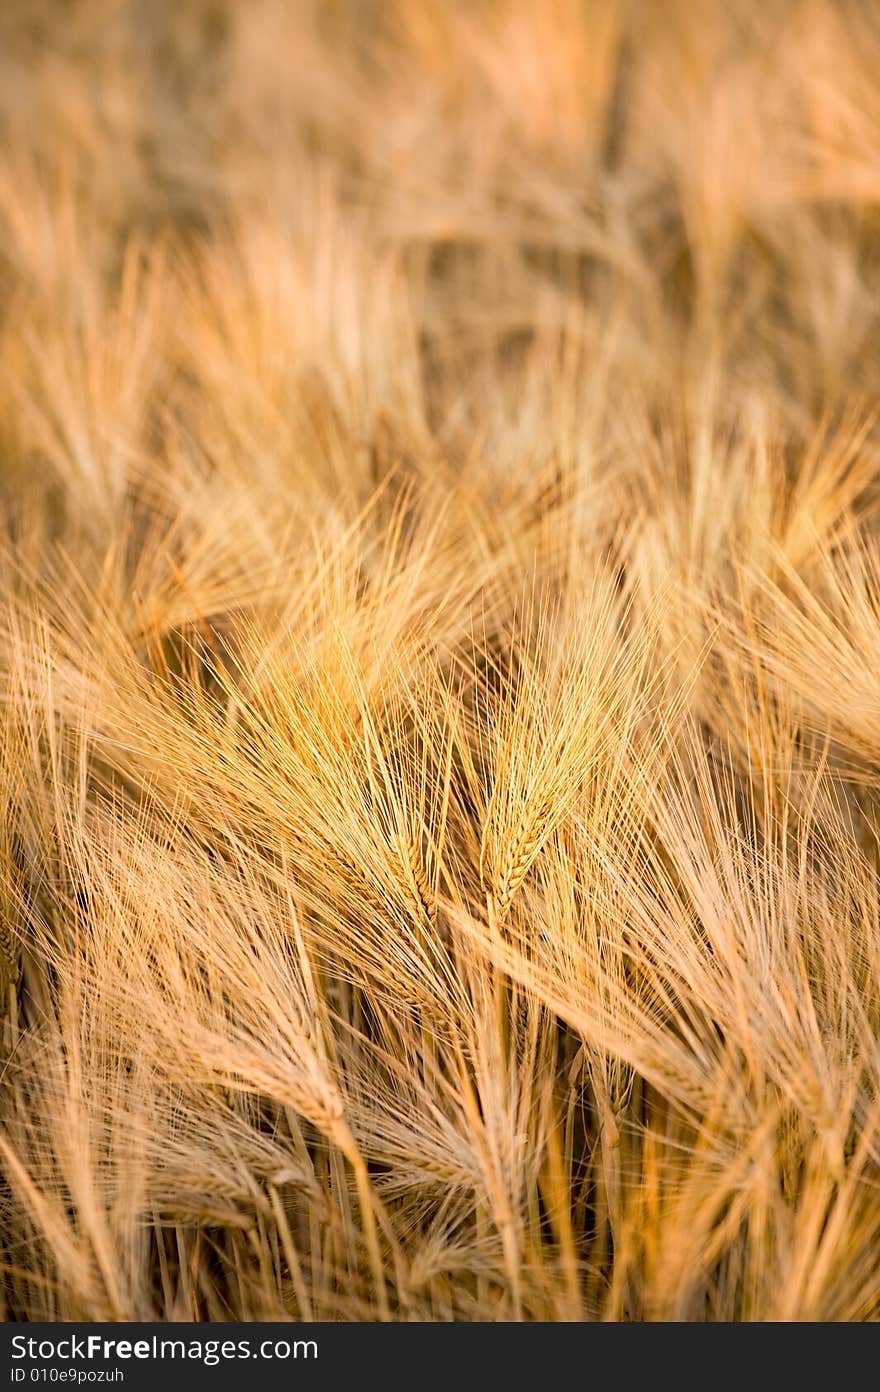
{"x":439,"y":660}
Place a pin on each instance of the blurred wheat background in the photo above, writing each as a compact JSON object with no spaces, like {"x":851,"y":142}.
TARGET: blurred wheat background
{"x":439,"y":660}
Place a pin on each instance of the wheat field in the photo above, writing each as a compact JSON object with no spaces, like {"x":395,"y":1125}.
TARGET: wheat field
{"x":439,"y":660}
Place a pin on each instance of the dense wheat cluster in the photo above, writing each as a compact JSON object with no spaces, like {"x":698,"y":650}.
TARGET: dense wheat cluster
{"x":439,"y":659}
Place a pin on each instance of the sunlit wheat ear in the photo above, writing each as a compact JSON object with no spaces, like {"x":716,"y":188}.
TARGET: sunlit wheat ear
{"x":572,"y":698}
{"x":439,"y":656}
{"x":525,"y":843}
{"x":408,"y":860}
